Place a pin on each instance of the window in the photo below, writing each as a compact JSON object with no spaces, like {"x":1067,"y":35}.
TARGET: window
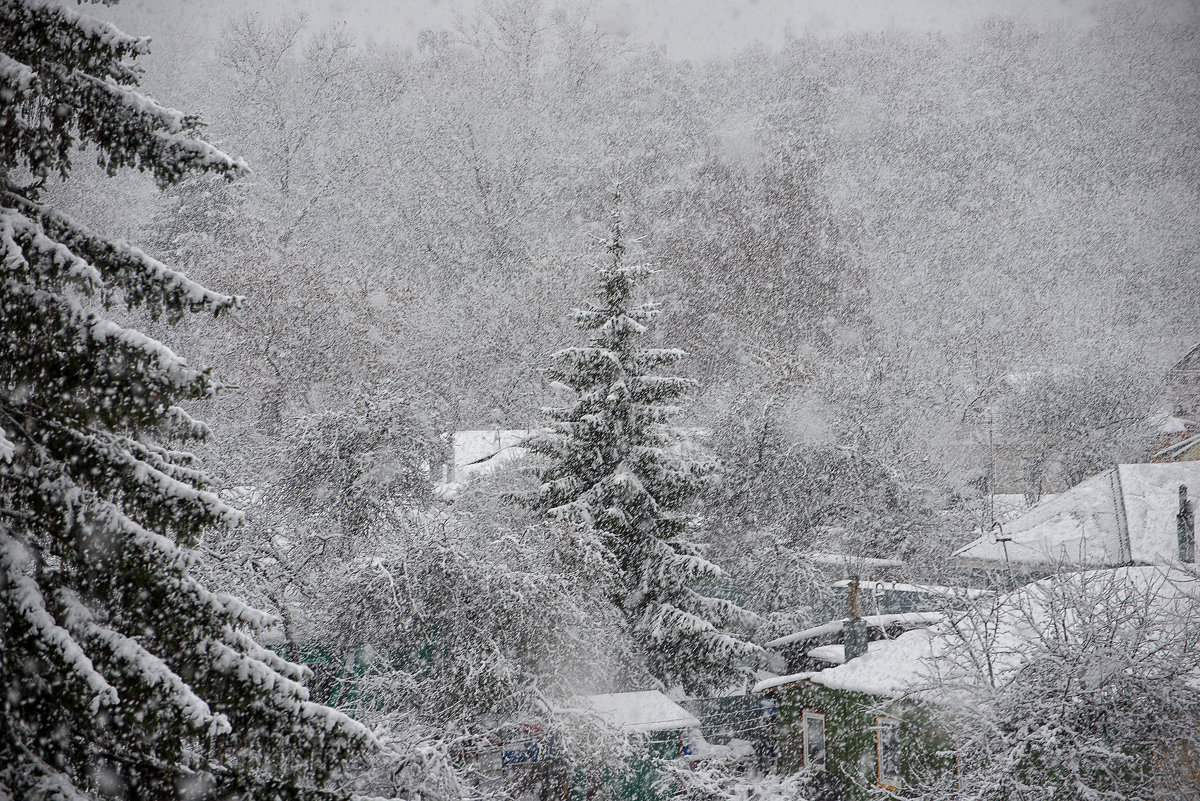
{"x":887,"y":751}
{"x":814,"y":740}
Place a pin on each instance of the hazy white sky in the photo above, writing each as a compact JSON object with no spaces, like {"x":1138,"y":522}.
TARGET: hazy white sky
{"x":686,"y":28}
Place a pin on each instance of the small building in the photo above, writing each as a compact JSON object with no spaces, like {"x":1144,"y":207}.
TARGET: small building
{"x":879,"y":722}
{"x":1177,"y":440}
{"x":733,"y":724}
{"x":531,"y":760}
{"x":855,"y":725}
{"x":664,"y":728}
{"x":829,"y":726}
{"x":477,"y":453}
{"x":1127,"y":515}
{"x":1178,"y":437}
{"x":1183,"y":385}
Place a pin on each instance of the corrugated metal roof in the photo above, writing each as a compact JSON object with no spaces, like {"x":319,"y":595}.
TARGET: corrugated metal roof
{"x":1125,"y":514}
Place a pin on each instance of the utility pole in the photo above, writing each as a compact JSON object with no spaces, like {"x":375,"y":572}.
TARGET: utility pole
{"x":1004,"y":539}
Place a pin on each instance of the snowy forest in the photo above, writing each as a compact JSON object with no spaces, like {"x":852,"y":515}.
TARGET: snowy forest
{"x":513,"y":408}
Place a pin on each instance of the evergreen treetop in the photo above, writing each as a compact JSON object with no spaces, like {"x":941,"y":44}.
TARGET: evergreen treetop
{"x":616,"y":461}
{"x":120,"y":674}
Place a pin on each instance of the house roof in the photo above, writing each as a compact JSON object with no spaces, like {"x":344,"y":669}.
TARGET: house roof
{"x":1170,"y":424}
{"x":1186,"y":449}
{"x":889,"y":668}
{"x":835,"y":654}
{"x":1007,"y":506}
{"x":481,"y":452}
{"x":907,"y":664}
{"x":648,"y":710}
{"x":1124,"y":515}
{"x":1192,"y":354}
{"x":907,"y":619}
{"x":920,"y":589}
{"x":842,"y":559}
{"x":473,"y":447}
{"x":779,"y":681}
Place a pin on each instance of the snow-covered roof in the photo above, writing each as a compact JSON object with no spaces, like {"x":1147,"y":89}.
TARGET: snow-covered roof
{"x":906,"y":665}
{"x":840,"y":559}
{"x":889,"y":668}
{"x":1192,"y":353}
{"x":481,"y":452}
{"x":1125,"y":514}
{"x":648,"y":710}
{"x":835,"y":654}
{"x":907,"y":619}
{"x":924,"y":589}
{"x":779,"y":681}
{"x":477,"y":446}
{"x":1179,"y":450}
{"x":1009,"y":506}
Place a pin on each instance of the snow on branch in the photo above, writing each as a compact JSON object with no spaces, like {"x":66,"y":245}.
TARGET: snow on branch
{"x":651,"y":358}
{"x":670,"y":621}
{"x":63,"y":34}
{"x":176,"y":561}
{"x":229,"y":661}
{"x":252,"y":649}
{"x":171,"y":369}
{"x":166,"y":461}
{"x":696,"y":566}
{"x":236,"y":608}
{"x":143,"y":280}
{"x":75,"y":331}
{"x":7,"y":448}
{"x":134,"y":131}
{"x":613,"y":323}
{"x":286,"y":695}
{"x":587,"y":355}
{"x":25,"y":599}
{"x":720,"y":607}
{"x":144,"y":666}
{"x":16,"y":79}
{"x":48,"y":783}
{"x":148,"y":111}
{"x":160,"y":548}
{"x":20,"y":236}
{"x":165,"y":485}
{"x":158,"y":488}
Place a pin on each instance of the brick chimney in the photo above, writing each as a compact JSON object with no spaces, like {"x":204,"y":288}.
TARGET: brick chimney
{"x":854,"y":631}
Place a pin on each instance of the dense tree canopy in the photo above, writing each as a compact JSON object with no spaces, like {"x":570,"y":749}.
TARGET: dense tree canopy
{"x":120,"y":674}
{"x":1078,"y":686}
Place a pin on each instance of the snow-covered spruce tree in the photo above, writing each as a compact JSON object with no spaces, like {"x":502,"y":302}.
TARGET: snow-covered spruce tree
{"x":614,"y":460}
{"x":121,"y":676}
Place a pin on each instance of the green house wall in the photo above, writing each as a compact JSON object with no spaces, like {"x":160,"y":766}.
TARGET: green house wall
{"x":850,"y":738}
{"x":638,"y":780}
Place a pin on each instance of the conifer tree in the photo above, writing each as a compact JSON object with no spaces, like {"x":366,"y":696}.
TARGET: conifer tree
{"x":616,"y":462}
{"x":121,"y":676}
